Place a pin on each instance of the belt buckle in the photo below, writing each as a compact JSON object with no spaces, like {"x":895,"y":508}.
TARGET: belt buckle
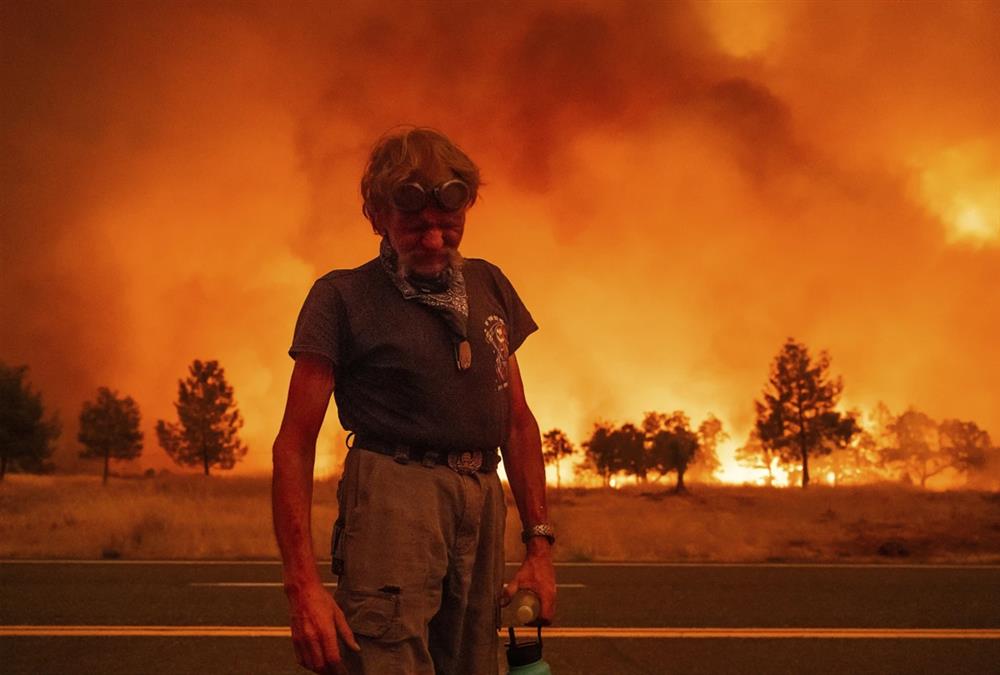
{"x":466,"y":463}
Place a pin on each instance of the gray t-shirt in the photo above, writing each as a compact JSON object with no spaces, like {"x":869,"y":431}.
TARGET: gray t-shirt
{"x":395,"y":375}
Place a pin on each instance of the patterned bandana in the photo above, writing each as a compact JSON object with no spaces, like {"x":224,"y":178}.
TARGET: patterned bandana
{"x":447,"y":297}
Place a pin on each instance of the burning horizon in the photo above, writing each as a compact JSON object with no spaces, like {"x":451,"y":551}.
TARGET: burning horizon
{"x":674,"y":189}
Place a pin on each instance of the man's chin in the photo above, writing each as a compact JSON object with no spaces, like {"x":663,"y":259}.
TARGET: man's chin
{"x":428,"y":272}
{"x":431,"y":270}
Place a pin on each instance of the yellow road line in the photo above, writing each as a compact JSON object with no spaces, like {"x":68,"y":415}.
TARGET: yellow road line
{"x":779,"y":633}
{"x":551,"y":633}
{"x":145,"y":631}
{"x":278,"y":584}
{"x":706,"y":564}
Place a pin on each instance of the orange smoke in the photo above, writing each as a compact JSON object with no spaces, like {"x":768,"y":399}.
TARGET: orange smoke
{"x":673,"y":188}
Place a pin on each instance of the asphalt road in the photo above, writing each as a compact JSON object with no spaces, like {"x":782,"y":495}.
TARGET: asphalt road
{"x":124,"y":617}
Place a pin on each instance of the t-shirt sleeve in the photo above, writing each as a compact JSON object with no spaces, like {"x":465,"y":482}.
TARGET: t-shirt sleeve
{"x":520,"y":324}
{"x":321,"y":323}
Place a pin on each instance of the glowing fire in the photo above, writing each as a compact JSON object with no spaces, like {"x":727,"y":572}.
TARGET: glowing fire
{"x":973,"y":224}
{"x":963,"y":189}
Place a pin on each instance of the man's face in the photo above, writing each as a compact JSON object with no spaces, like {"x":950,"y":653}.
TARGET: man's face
{"x":426,"y":241}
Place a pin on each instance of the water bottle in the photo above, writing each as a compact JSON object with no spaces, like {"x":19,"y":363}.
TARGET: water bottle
{"x":526,"y":658}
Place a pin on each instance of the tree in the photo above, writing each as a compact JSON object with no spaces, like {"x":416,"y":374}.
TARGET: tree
{"x":630,"y":445}
{"x":755,"y":455}
{"x":109,"y":428}
{"x":600,"y":451}
{"x":797,"y":416}
{"x":917,"y":447}
{"x":874,"y":445}
{"x":968,"y":447}
{"x":672,"y":444}
{"x":26,"y":439}
{"x":858,"y":462}
{"x":706,"y":461}
{"x":972,"y":452}
{"x":612,"y":450}
{"x":584,"y":469}
{"x":923,"y":448}
{"x":209,"y":421}
{"x":556,"y":446}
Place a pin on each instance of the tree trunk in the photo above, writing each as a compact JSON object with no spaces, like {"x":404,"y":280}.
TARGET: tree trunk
{"x":803,"y":446}
{"x":679,"y":488}
{"x":204,"y":455}
{"x":107,"y":453}
{"x":558,"y":479}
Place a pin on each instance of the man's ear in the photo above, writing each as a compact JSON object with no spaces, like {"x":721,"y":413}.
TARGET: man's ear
{"x":378,"y":226}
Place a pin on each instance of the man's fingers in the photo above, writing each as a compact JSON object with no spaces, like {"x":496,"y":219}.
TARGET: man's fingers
{"x":300,"y":654}
{"x":346,"y":634}
{"x":507,"y":592}
{"x":331,"y":654}
{"x":311,"y":649}
{"x":548,"y":610}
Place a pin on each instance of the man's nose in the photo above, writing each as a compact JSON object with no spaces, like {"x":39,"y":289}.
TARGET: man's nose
{"x":433,"y":239}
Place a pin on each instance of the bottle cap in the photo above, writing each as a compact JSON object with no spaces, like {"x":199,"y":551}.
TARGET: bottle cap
{"x":527,"y":606}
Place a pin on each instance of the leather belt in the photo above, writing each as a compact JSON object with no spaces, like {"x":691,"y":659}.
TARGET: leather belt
{"x":459,"y":461}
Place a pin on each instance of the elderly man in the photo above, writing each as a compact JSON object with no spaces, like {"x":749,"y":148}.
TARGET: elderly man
{"x":417,"y":347}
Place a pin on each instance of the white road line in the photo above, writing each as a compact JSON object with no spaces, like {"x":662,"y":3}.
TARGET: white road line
{"x":326,"y":563}
{"x":551,"y":633}
{"x":278,"y":584}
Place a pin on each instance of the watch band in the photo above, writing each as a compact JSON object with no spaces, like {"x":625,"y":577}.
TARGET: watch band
{"x":541,"y":530}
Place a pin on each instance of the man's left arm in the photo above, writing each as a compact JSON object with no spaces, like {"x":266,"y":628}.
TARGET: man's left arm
{"x":526,"y":474}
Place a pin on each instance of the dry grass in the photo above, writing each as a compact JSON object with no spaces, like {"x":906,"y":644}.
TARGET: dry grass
{"x":165,"y":517}
{"x":739,"y":524}
{"x":216,"y":518}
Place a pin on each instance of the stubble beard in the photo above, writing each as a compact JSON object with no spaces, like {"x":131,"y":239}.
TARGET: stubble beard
{"x":406,"y":271}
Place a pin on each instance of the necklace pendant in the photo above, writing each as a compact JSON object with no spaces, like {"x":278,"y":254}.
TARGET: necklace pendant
{"x":463,"y":355}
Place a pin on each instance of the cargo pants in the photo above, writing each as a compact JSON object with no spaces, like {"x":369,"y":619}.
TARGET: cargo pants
{"x":419,"y":556}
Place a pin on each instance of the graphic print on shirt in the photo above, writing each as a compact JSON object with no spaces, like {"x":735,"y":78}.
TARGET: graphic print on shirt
{"x":496,"y":334}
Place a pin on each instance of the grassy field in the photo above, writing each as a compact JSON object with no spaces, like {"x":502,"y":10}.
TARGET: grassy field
{"x":190,"y":517}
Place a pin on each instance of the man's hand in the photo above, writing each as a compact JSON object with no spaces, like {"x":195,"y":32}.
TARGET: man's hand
{"x":316,"y":622}
{"x":537,"y":574}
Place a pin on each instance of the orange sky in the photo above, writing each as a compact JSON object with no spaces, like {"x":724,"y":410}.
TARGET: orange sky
{"x":673,"y":188}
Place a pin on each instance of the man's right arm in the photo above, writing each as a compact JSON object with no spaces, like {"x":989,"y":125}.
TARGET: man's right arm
{"x":316,"y":619}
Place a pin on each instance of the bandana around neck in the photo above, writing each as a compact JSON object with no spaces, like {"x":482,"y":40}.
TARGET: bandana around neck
{"x":446,"y":297}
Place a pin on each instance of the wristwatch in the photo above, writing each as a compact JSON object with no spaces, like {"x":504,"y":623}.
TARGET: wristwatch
{"x":541,"y":530}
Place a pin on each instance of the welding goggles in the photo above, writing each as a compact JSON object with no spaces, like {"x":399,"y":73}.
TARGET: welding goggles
{"x":450,"y":195}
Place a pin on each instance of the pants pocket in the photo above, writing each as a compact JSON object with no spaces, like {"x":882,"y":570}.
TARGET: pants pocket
{"x":371,"y":614}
